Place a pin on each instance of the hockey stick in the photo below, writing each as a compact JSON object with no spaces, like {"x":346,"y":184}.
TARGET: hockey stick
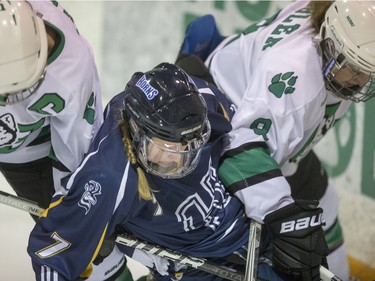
{"x":326,"y":275}
{"x":253,"y":251}
{"x":20,"y":203}
{"x":197,"y":263}
{"x":129,"y":240}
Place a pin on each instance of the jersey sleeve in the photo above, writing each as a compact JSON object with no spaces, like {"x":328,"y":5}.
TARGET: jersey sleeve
{"x":269,"y":127}
{"x":73,"y":129}
{"x":252,"y":175}
{"x":71,"y":99}
{"x":279,"y":108}
{"x":68,"y":236}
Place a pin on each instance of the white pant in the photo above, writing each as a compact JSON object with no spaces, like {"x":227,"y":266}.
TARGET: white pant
{"x":109,"y":266}
{"x":337,"y":260}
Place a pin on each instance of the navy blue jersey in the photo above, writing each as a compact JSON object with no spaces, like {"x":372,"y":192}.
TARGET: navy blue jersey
{"x":193,"y":215}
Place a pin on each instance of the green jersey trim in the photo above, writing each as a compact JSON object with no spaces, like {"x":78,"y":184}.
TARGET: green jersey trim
{"x":247,"y":165}
{"x":60,"y":44}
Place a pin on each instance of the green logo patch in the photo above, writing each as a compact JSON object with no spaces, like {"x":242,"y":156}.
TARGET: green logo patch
{"x":283,"y":84}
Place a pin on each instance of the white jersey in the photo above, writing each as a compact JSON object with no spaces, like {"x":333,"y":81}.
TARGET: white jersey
{"x":60,"y":119}
{"x":272,"y":72}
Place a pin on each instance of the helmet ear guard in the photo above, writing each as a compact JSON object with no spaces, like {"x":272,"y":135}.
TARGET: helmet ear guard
{"x":348,"y":49}
{"x":169,"y":120}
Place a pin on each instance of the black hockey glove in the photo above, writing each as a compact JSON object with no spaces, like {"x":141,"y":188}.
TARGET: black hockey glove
{"x":299,"y":246}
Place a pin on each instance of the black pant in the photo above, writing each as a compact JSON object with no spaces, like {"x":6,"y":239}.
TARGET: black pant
{"x":32,"y":180}
{"x":310,"y":181}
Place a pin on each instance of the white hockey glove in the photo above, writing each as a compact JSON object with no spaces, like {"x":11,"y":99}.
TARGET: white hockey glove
{"x":152,"y":261}
{"x":161,"y":265}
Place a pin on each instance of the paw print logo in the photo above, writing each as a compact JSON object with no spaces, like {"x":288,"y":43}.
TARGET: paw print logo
{"x":89,"y":114}
{"x":283,"y":84}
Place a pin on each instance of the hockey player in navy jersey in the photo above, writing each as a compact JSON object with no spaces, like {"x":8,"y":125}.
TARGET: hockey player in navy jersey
{"x":292,"y":77}
{"x":50,"y":101}
{"x":151,"y":172}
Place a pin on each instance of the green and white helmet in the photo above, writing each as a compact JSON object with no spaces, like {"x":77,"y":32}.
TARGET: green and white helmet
{"x":348,"y":47}
{"x":23,"y":51}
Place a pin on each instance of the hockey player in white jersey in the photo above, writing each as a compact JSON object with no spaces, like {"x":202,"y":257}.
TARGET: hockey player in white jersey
{"x":151,"y":172}
{"x":50,"y":100}
{"x":292,"y":77}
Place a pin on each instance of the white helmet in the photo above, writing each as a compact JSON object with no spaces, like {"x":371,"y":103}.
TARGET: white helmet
{"x":23,"y":51}
{"x":348,"y":46}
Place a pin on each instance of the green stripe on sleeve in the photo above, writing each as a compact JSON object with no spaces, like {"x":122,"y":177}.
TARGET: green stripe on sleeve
{"x":248,"y":167}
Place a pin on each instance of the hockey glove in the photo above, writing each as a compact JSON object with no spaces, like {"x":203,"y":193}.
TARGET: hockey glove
{"x":162,"y":266}
{"x":299,"y":246}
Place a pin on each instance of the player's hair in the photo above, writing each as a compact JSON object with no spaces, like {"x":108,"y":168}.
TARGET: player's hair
{"x":318,"y":11}
{"x":144,"y":189}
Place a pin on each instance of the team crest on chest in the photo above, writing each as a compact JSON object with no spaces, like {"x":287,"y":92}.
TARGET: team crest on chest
{"x":14,"y":134}
{"x":201,"y":208}
{"x":8,"y":129}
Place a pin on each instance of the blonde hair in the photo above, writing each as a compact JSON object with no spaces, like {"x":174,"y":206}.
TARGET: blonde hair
{"x":318,"y":12}
{"x":144,"y":189}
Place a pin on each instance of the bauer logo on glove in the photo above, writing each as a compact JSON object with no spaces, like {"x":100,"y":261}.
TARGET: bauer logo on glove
{"x":302,"y":223}
{"x":299,"y":246}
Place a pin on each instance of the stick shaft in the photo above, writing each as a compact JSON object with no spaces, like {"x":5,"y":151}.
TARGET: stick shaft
{"x":198,"y":263}
{"x":128,"y":240}
{"x":131,"y":241}
{"x":253,"y":251}
{"x":20,"y":203}
{"x":327,"y":275}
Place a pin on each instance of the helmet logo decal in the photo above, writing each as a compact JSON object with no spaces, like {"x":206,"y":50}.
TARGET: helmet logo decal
{"x":88,"y":199}
{"x":328,"y":67}
{"x":336,"y":37}
{"x":350,"y":21}
{"x":146,"y":88}
{"x":190,"y":130}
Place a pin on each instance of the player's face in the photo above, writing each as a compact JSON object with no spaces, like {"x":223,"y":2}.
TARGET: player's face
{"x":169,"y":159}
{"x":349,"y":77}
{"x":165,"y":154}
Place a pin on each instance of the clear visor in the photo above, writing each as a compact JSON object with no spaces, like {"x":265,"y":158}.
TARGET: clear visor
{"x":345,"y":79}
{"x":171,"y":160}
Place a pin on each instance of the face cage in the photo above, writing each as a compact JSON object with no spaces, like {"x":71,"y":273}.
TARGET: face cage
{"x":18,"y":96}
{"x":355,"y":93}
{"x":175,"y":160}
{"x":335,"y":65}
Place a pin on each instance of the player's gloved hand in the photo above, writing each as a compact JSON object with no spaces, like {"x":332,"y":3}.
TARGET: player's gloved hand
{"x":152,"y":261}
{"x":299,"y":246}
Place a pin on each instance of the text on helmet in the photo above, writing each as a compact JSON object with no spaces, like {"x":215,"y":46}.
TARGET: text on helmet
{"x":146,"y":88}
